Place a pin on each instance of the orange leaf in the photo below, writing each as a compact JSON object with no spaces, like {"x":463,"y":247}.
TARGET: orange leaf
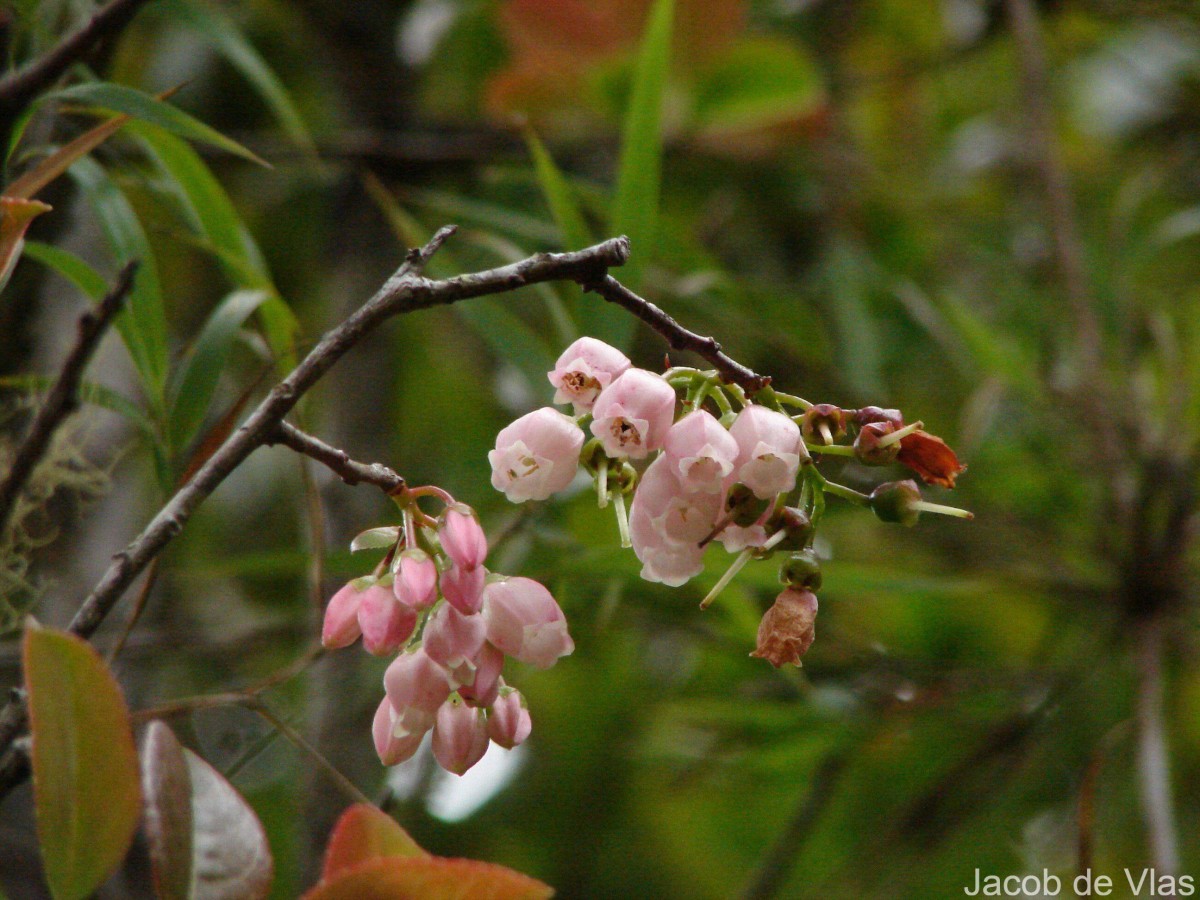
{"x":365,"y":833}
{"x":430,"y":878}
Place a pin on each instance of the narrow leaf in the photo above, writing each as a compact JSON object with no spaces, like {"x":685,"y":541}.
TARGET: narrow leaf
{"x":89,"y":392}
{"x":85,"y":773}
{"x":69,"y":266}
{"x":120,"y":98}
{"x":365,"y":833}
{"x":430,"y":878}
{"x":62,"y":159}
{"x":559,"y":196}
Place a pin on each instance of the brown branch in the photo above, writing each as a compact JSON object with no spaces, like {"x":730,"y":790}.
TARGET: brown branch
{"x":63,"y":398}
{"x":404,"y":292}
{"x":677,"y":337}
{"x":18,"y":90}
{"x":349,"y":470}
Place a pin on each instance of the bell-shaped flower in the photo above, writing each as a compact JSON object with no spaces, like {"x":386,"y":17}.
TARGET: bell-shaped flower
{"x":536,"y":456}
{"x":701,"y":452}
{"x":462,"y":536}
{"x":632,"y":416}
{"x":525,"y":622}
{"x":479,"y":682}
{"x":463,"y":588}
{"x":508,"y":722}
{"x":415,"y":578}
{"x":769,"y":450}
{"x":341,"y":628}
{"x":414,"y":682}
{"x":452,"y":639}
{"x":460,"y":735}
{"x":584,"y":370}
{"x":386,"y":623}
{"x":393,"y":749}
{"x":667,"y":524}
{"x":787,"y":628}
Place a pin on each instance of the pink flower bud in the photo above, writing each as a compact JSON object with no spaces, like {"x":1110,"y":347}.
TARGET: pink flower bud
{"x":416,"y":578}
{"x":524,"y":621}
{"x":462,"y":536}
{"x":463,"y":588}
{"x":769,"y":450}
{"x":452,"y":639}
{"x":632,"y":415}
{"x":481,"y":685}
{"x":536,"y":456}
{"x":460,"y":736}
{"x":508,"y":722}
{"x":386,"y":622}
{"x":415,"y":681}
{"x":701,"y":452}
{"x":341,"y":628}
{"x":584,"y":369}
{"x":393,"y":749}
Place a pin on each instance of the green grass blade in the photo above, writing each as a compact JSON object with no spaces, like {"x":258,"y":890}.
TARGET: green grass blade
{"x":559,"y":196}
{"x":69,"y":266}
{"x":640,"y":169}
{"x":202,"y":371}
{"x":122,"y":99}
{"x":90,"y":392}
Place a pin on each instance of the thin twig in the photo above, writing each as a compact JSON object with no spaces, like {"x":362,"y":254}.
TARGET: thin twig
{"x":18,"y":91}
{"x":63,"y":398}
{"x":349,"y":470}
{"x":678,"y":337}
{"x":347,"y":786}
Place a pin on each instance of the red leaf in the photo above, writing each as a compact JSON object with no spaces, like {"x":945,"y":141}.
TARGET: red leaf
{"x":365,"y":833}
{"x":430,"y":878}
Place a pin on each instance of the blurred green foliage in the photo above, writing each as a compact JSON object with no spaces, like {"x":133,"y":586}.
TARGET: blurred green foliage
{"x":850,"y":201}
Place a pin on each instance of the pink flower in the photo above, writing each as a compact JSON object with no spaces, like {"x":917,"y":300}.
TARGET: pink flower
{"x":509,"y":723}
{"x":452,"y":639}
{"x":584,"y":369}
{"x":633,"y":414}
{"x":415,"y":684}
{"x":481,"y":686}
{"x":416,"y":578}
{"x":462,"y":536}
{"x":666,"y":525}
{"x":463,"y":588}
{"x":769,"y":450}
{"x":393,"y":749}
{"x":386,"y":623}
{"x":341,"y":628}
{"x":525,"y":622}
{"x":536,"y":456}
{"x":460,"y":736}
{"x":701,"y":452}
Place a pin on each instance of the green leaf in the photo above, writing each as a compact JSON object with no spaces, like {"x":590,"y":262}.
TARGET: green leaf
{"x":123,"y":99}
{"x":69,"y":266}
{"x":572,"y":226}
{"x":758,"y":82}
{"x":640,"y":169}
{"x":89,"y":392}
{"x":205,"y":841}
{"x":430,"y":878}
{"x":380,"y":538}
{"x":224,"y":35}
{"x":207,"y":360}
{"x":142,"y":324}
{"x":85,"y":772}
{"x":364,"y":833}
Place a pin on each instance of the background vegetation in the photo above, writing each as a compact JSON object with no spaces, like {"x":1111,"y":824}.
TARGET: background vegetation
{"x":982,"y":213}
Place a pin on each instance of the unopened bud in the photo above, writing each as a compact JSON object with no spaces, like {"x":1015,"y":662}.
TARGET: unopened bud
{"x":788,"y":628}
{"x":802,"y":570}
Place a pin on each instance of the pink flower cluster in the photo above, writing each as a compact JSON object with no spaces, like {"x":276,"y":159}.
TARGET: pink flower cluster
{"x":432,"y":601}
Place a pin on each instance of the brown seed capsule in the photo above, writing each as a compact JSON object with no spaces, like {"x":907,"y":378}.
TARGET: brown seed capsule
{"x":787,"y":628}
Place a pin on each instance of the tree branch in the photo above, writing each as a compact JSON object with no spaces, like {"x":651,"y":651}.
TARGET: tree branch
{"x":18,"y":90}
{"x":349,"y":470}
{"x":63,"y":398}
{"x":677,"y":337}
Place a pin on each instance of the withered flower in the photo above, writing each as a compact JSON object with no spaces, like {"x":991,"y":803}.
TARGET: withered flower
{"x":787,"y":628}
{"x":931,"y":458}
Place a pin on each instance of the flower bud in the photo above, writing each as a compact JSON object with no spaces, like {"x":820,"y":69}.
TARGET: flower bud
{"x":787,"y":628}
{"x":415,"y":579}
{"x":536,"y":456}
{"x":632,"y":416}
{"x":393,"y":749}
{"x":769,"y":450}
{"x":463,"y":588}
{"x":508,"y":722}
{"x":414,"y":680}
{"x":823,"y":423}
{"x":701,"y":452}
{"x":895,"y":502}
{"x":450,"y":638}
{"x":480,"y":685}
{"x":525,"y":622}
{"x":462,"y":536}
{"x":802,"y":570}
{"x":460,"y":735}
{"x":583,"y":370}
{"x":869,"y":447}
{"x":341,"y":628}
{"x":386,"y":622}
